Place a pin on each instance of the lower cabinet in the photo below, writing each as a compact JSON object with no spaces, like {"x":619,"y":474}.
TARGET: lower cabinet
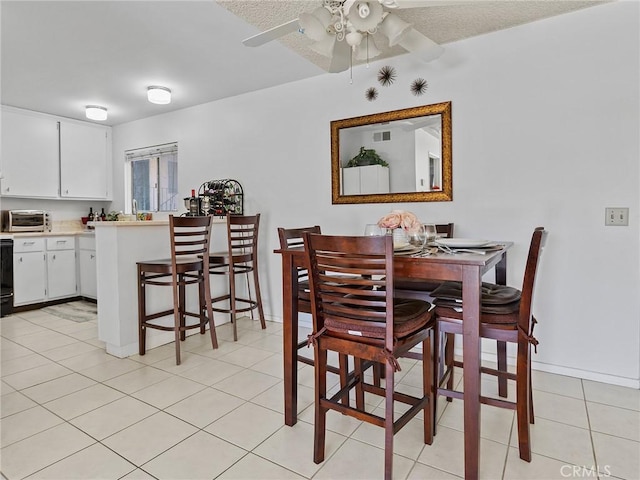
{"x":88,"y":272}
{"x":44,"y":269}
{"x":29,"y":272}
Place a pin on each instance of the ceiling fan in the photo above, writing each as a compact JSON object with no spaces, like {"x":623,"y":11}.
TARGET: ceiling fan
{"x":340,"y":29}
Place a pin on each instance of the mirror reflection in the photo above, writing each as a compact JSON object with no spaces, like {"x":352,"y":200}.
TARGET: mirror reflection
{"x":398,"y":156}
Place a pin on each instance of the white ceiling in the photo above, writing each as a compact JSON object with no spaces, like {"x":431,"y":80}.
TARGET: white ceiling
{"x":58,"y":56}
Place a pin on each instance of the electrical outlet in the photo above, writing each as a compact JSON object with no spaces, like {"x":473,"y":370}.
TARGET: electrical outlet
{"x":616,"y":216}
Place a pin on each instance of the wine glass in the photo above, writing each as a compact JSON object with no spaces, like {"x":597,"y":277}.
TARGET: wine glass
{"x":418,"y":238}
{"x":372,"y":230}
{"x":430,"y":232}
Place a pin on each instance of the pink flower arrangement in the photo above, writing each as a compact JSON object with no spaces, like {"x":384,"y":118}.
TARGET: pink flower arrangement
{"x":400,"y":219}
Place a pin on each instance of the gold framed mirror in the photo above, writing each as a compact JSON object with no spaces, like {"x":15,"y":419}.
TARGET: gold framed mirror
{"x":392,"y":157}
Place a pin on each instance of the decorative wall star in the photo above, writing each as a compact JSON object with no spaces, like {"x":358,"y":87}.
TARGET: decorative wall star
{"x":371,"y":94}
{"x":419,"y":86}
{"x":386,"y":76}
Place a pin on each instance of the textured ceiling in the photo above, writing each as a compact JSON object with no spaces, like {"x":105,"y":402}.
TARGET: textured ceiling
{"x":441,"y":21}
{"x":58,"y":56}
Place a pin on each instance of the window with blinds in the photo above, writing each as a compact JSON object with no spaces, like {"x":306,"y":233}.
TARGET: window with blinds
{"x":154,"y":177}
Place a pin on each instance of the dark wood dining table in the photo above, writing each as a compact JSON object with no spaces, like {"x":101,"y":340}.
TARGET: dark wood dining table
{"x":465,"y":267}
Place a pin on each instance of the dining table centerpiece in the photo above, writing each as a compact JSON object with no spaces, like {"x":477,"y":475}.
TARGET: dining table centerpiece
{"x":401,"y":224}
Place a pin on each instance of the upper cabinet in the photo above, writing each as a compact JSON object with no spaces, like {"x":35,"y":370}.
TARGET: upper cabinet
{"x":51,"y":157}
{"x":29,"y":155}
{"x":83,"y":160}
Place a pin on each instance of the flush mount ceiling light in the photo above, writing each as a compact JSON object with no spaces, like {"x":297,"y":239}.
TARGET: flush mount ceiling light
{"x":159,"y":95}
{"x":94,"y":112}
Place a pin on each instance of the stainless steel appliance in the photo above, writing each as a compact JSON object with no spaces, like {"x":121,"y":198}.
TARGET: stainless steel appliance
{"x":25,"y":221}
{"x":6,"y":276}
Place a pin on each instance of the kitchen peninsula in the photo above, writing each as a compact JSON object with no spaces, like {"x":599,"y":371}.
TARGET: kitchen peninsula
{"x":119,"y":245}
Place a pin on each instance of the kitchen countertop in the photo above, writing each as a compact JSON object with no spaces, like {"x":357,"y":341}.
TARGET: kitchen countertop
{"x":144,"y":223}
{"x":58,"y":233}
{"x":130,"y":223}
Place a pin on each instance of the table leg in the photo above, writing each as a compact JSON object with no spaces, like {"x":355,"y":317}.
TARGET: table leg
{"x":501,"y":279}
{"x":290,"y":339}
{"x":471,"y":281}
{"x":501,"y":271}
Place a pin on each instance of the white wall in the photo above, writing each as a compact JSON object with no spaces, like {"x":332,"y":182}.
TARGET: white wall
{"x":545,"y":132}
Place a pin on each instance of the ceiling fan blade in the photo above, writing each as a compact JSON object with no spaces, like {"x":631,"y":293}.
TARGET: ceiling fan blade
{"x":392,"y":4}
{"x":272,"y":34}
{"x":341,"y":58}
{"x":421,"y":46}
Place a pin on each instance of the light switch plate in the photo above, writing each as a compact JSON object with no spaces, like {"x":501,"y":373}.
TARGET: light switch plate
{"x":616,"y":216}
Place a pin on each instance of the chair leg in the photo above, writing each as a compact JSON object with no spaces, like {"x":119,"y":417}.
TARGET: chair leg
{"x":176,"y":316}
{"x":142,"y":312}
{"x":182,"y":306}
{"x":531,"y":416}
{"x":232,"y":303}
{"x":435,"y":375}
{"x":209,"y":307}
{"x":320,"y":356}
{"x":202,"y":303}
{"x":428,"y":389}
{"x":449,"y":352}
{"x":502,"y":367}
{"x":522,"y":399}
{"x":256,"y":283}
{"x":388,"y":421}
{"x":343,"y":365}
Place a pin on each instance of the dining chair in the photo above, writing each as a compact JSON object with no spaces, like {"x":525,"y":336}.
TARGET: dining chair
{"x":293,"y":238}
{"x":506,"y":316}
{"x":355,"y":313}
{"x":241,"y":258}
{"x":188,"y":265}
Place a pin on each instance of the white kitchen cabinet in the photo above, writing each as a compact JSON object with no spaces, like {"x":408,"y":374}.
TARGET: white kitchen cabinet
{"x":29,"y":271}
{"x":61,"y":267}
{"x":44,"y":268}
{"x":88,"y":270}
{"x":84,"y":168}
{"x":365,"y":180}
{"x":44,"y":156}
{"x":30,"y":162}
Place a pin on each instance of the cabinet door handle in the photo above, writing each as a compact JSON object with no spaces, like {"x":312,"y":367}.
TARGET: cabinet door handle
{"x":53,"y":257}
{"x":61,"y":241}
{"x":20,"y":259}
{"x":28,"y":243}
{"x":92,"y":256}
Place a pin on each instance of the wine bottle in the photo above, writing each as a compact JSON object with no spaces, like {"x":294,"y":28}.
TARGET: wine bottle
{"x":103,"y":216}
{"x":92,"y":216}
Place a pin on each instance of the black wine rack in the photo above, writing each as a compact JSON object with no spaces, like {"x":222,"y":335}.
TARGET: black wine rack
{"x":221,"y":198}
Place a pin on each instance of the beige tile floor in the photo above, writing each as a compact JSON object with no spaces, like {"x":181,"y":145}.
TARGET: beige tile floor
{"x":69,"y":410}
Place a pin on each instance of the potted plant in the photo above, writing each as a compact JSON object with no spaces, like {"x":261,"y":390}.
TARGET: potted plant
{"x":367,"y":156}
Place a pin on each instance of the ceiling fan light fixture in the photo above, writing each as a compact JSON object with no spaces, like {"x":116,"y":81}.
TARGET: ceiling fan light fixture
{"x":95,"y":112}
{"x":325,"y":46}
{"x":367,"y":49}
{"x":365,"y":16}
{"x":394,"y":28}
{"x":353,"y":38}
{"x":159,"y":95}
{"x":314,"y":25}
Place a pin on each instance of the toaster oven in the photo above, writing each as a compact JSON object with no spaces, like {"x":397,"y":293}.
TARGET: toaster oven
{"x":25,"y":221}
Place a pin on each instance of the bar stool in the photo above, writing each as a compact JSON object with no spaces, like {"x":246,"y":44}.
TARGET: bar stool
{"x":241,"y":257}
{"x":188,"y":265}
